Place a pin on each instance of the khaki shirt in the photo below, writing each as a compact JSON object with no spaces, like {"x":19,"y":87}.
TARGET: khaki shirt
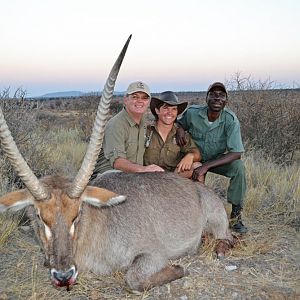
{"x":122,"y":138}
{"x":165,"y":154}
{"x":221,"y":136}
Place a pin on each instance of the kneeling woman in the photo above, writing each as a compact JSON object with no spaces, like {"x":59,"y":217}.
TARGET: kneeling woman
{"x":161,"y":147}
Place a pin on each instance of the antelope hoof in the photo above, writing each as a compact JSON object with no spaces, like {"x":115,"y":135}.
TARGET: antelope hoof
{"x":222,"y":248}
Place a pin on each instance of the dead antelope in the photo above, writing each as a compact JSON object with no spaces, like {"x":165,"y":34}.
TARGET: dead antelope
{"x":92,"y":227}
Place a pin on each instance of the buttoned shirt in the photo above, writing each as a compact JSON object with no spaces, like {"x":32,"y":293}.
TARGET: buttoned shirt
{"x":124,"y":138}
{"x":212,"y":138}
{"x":165,"y":154}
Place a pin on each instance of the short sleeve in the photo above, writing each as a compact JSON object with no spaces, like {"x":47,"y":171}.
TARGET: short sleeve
{"x":114,"y":142}
{"x":234,"y":137}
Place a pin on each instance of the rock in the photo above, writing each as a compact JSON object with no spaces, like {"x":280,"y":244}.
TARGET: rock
{"x":230,"y":268}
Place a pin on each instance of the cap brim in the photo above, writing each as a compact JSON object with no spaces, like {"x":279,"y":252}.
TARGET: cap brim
{"x":217,"y":85}
{"x":139,"y":90}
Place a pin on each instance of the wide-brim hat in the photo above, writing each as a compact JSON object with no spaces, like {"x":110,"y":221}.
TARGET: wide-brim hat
{"x":169,"y":98}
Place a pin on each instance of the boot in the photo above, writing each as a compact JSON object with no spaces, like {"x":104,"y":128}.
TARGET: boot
{"x":236,"y":223}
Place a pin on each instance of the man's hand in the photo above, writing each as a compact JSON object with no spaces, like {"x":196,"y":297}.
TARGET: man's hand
{"x":180,"y":137}
{"x":125,"y":165}
{"x":199,"y":173}
{"x":186,"y":163}
{"x":152,"y":168}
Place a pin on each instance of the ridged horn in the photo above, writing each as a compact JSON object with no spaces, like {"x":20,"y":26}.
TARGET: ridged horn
{"x":11,"y":150}
{"x":82,"y":178}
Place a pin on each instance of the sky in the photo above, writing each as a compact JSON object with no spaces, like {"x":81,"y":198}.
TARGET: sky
{"x":71,"y":45}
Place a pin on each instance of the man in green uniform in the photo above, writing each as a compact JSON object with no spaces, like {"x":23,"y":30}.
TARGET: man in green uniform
{"x":161,"y":147}
{"x":216,"y":131}
{"x":124,"y":136}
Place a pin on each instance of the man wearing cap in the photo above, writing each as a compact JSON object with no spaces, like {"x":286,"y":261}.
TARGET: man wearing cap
{"x":124,"y":136}
{"x":216,"y":131}
{"x":161,"y":147}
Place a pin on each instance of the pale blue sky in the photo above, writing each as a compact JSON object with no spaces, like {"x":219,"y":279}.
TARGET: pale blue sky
{"x":62,"y":45}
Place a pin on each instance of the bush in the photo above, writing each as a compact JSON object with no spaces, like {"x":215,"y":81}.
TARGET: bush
{"x":269,"y":116}
{"x":20,"y":116}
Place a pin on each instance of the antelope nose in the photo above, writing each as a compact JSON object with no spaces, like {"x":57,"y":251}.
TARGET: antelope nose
{"x":63,"y":278}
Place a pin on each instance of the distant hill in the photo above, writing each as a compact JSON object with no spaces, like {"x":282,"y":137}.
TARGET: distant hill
{"x":62,"y":94}
{"x":72,"y":94}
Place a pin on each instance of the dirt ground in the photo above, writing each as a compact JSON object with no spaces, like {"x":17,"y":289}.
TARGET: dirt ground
{"x":264,"y":265}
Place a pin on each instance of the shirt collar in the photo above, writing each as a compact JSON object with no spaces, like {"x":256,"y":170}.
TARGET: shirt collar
{"x":173,"y":130}
{"x":130,"y":120}
{"x":203,"y":113}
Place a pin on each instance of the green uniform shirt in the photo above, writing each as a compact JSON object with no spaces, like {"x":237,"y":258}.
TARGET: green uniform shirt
{"x":221,"y":136}
{"x":122,"y":138}
{"x":165,"y":154}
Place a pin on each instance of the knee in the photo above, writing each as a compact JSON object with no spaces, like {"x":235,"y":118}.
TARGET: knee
{"x":238,"y":167}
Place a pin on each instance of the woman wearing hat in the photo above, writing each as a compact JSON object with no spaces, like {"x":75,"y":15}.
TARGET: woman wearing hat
{"x":161,"y":147}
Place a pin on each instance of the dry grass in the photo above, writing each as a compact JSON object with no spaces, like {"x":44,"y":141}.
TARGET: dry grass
{"x":274,"y":192}
{"x":65,"y":150}
{"x":8,"y":225}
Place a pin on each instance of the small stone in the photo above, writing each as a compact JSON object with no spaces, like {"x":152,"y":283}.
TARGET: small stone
{"x":230,"y":268}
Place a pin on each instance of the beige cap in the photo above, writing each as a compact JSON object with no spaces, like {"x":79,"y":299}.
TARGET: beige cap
{"x":138,"y":86}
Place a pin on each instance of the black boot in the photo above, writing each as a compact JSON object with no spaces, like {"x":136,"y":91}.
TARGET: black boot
{"x":236,"y":223}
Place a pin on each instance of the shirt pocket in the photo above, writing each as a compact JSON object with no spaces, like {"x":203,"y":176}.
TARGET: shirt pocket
{"x":197,"y":135}
{"x":217,"y":144}
{"x":131,"y":150}
{"x":151,"y":155}
{"x":173,"y":155}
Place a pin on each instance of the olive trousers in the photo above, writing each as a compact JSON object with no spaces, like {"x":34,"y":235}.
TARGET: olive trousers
{"x":238,"y":186}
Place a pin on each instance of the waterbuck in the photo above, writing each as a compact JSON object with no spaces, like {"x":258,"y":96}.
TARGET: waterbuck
{"x":130,"y":222}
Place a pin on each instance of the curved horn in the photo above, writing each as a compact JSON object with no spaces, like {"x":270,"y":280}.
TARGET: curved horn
{"x":21,"y":167}
{"x":82,"y":178}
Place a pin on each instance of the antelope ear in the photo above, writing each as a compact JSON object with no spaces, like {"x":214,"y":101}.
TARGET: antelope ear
{"x":101,"y":197}
{"x":16,"y":200}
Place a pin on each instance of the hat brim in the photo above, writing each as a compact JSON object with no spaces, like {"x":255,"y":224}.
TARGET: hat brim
{"x":155,"y":101}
